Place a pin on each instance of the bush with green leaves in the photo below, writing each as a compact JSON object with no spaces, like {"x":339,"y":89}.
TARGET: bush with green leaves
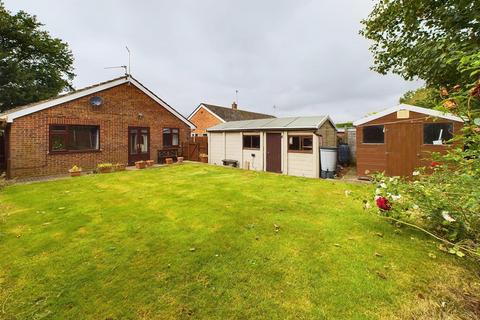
{"x":443,"y":199}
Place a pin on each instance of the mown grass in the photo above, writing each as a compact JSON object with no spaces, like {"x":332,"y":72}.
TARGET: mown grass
{"x":201,"y":242}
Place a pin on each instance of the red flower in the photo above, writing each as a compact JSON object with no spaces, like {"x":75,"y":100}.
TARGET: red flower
{"x":383,"y":203}
{"x":434,"y":163}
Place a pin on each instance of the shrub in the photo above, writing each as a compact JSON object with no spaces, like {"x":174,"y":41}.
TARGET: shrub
{"x":443,"y":199}
{"x":104,"y":165}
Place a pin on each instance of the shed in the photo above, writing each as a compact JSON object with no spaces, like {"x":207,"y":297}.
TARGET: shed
{"x":282,"y":145}
{"x":399,"y":139}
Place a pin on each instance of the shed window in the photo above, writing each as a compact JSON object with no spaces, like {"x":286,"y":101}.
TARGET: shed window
{"x":437,"y":133}
{"x":66,"y":138}
{"x":373,"y":134}
{"x":170,"y":137}
{"x":300,"y":143}
{"x":251,"y":142}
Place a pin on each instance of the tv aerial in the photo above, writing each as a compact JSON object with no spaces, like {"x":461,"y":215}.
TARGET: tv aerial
{"x":124,"y":67}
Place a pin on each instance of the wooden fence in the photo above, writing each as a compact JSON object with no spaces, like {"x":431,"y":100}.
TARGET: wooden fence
{"x":195,"y":146}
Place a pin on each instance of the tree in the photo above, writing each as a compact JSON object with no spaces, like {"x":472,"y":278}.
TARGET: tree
{"x":417,"y":38}
{"x":422,"y":97}
{"x":33,"y":65}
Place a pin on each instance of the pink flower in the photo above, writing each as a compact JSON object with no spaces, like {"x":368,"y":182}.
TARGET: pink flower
{"x":383,"y":203}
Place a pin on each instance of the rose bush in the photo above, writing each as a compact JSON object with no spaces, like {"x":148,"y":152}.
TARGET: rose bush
{"x":443,"y":199}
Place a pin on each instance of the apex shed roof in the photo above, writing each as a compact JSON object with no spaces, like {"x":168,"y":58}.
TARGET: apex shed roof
{"x":289,"y":123}
{"x":429,"y":112}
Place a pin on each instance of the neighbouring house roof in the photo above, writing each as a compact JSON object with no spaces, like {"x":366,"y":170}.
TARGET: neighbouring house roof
{"x":12,"y":114}
{"x":225,"y":114}
{"x":290,"y":123}
{"x":429,"y":112}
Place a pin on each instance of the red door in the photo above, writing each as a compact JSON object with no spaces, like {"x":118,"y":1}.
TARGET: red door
{"x":138,"y":144}
{"x":274,"y":152}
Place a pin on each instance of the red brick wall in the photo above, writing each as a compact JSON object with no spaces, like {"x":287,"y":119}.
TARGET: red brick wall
{"x":203,"y":119}
{"x":29,"y":145}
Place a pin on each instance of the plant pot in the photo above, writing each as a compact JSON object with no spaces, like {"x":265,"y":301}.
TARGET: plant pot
{"x":179,"y":159}
{"x":169,"y":160}
{"x":150,"y":163}
{"x":140,"y":164}
{"x":204,"y":159}
{"x":75,"y":173}
{"x":119,"y":167}
{"x":104,"y":169}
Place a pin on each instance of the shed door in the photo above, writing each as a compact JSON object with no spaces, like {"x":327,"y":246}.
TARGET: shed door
{"x":274,"y":152}
{"x":402,"y":148}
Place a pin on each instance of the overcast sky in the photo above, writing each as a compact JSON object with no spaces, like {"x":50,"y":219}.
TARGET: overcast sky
{"x":304,"y":57}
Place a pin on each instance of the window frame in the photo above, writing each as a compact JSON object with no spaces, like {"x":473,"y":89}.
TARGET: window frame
{"x":433,"y":123}
{"x":373,"y":143}
{"x":250,"y":136}
{"x":171,"y":145}
{"x":66,"y":134}
{"x":302,"y":137}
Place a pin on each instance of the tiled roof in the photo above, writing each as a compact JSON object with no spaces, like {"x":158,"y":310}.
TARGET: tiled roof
{"x":229,"y":114}
{"x":58,"y":96}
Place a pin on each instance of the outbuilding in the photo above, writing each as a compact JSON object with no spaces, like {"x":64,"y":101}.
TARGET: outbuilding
{"x":282,"y":145}
{"x":399,"y":139}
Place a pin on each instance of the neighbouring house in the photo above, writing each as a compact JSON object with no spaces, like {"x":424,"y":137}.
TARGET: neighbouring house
{"x":209,"y":115}
{"x":115,"y":121}
{"x":283,"y":145}
{"x":402,"y":138}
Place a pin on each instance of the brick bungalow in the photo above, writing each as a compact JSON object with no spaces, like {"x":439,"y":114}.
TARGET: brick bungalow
{"x":209,"y":115}
{"x":118,"y":121}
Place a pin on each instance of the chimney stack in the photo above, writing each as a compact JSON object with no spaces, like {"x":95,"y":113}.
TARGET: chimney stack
{"x":234,"y":105}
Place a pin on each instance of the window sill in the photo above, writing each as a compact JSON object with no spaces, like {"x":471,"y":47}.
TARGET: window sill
{"x":300,"y":151}
{"x":73,"y":151}
{"x":254,"y":149}
{"x":171,"y":147}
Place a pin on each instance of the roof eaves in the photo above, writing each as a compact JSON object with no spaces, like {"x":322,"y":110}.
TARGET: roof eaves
{"x":430,"y":112}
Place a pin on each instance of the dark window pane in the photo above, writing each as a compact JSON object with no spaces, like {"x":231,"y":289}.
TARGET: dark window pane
{"x":246,"y":142}
{"x":373,"y":134}
{"x":294,"y":143}
{"x":437,"y":133}
{"x":307,"y":143}
{"x":251,"y":142}
{"x":83,"y":138}
{"x":57,"y":142}
{"x":256,"y":142}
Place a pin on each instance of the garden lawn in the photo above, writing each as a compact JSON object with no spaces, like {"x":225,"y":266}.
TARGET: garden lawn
{"x":203,"y":242}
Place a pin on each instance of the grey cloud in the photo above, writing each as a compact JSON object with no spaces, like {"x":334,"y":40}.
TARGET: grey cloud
{"x":305,"y":57}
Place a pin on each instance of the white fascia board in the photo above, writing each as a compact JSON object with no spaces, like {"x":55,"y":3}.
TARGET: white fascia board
{"x":48,"y":104}
{"x":201,"y":105}
{"x":430,"y":112}
{"x":160,"y":102}
{"x":324,"y":120}
{"x":264,"y":128}
{"x":213,"y":113}
{"x":63,"y":99}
